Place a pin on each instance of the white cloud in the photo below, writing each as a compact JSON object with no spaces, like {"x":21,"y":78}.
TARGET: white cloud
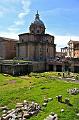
{"x":61,"y":11}
{"x":25,"y":11}
{"x":20,"y":17}
{"x":25,"y":8}
{"x":13,"y":29}
{"x":62,"y":41}
{"x":9,"y":35}
{"x":19,"y":22}
{"x":3,"y":11}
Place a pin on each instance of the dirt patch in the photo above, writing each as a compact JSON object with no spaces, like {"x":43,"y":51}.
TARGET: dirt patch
{"x":12,"y":81}
{"x":25,"y":77}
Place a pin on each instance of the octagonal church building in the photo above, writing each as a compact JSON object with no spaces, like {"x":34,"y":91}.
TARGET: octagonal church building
{"x":36,"y":45}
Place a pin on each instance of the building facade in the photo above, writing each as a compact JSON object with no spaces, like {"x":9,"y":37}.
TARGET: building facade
{"x":7,"y":48}
{"x":64,"y":51}
{"x":36,"y":45}
{"x":73,"y":49}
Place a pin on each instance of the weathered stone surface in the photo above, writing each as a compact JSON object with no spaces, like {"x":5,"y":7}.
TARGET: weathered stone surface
{"x":62,"y":110}
{"x":67,"y":101}
{"x":44,"y":104}
{"x":22,"y":111}
{"x":50,"y":99}
{"x":19,"y":105}
{"x":4,"y":108}
{"x":77,"y":114}
{"x":59,"y":97}
{"x":27,"y":115}
{"x":73,"y":91}
{"x":52,"y":117}
{"x":45,"y":100}
{"x":4,"y":111}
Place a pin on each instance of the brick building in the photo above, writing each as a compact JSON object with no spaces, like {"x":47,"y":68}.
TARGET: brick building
{"x":36,"y":45}
{"x":7,"y":48}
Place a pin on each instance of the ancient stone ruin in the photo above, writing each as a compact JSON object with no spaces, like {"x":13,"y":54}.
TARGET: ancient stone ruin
{"x":67,"y":101}
{"x":52,"y":116}
{"x":22,"y":111}
{"x":73,"y":91}
{"x":59,"y":98}
{"x":46,"y":100}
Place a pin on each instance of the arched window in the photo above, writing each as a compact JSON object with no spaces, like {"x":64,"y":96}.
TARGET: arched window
{"x":32,"y":31}
{"x":37,"y":31}
{"x":47,"y":49}
{"x":22,"y":40}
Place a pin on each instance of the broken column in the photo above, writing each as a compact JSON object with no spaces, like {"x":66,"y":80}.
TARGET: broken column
{"x":59,"y":97}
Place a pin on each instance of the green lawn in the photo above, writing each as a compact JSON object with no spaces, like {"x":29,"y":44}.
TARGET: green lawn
{"x":34,"y":88}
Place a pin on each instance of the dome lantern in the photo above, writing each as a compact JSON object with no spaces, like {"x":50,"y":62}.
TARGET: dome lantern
{"x":37,"y":27}
{"x":37,"y":16}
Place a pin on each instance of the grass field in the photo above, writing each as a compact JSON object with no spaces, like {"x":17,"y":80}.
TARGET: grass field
{"x":35,"y":87}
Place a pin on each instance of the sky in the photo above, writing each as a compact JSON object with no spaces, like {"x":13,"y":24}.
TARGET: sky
{"x":61,"y":18}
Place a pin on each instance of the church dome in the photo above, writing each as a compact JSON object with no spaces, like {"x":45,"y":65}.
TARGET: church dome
{"x":37,"y":20}
{"x":37,"y":26}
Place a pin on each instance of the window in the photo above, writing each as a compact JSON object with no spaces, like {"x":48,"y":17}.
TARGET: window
{"x":22,"y":40}
{"x":37,"y":31}
{"x":47,"y":40}
{"x":47,"y":49}
{"x":40,"y":49}
{"x":51,"y":41}
{"x":14,"y":46}
{"x":32,"y":31}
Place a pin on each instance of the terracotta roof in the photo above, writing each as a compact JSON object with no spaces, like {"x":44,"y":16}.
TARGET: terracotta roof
{"x":73,"y":41}
{"x":7,"y":39}
{"x":36,"y":34}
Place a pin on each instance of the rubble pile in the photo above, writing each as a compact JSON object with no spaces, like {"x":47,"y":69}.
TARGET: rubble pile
{"x":52,"y":116}
{"x":73,"y":91}
{"x":22,"y":111}
{"x":46,"y":101}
